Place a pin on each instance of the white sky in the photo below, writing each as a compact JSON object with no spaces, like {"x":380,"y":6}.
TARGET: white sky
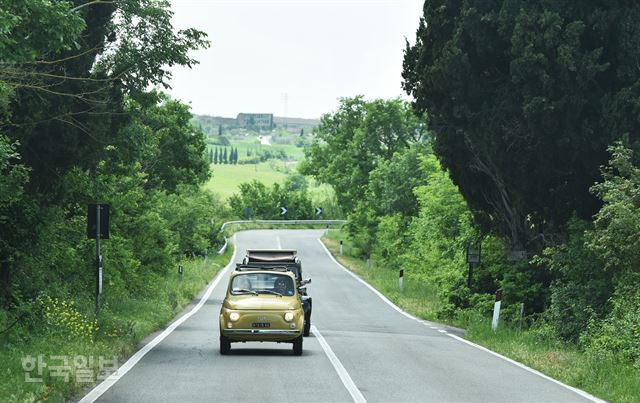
{"x":313,"y":51}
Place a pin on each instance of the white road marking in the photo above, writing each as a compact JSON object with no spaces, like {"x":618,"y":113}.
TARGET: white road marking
{"x":540,"y":374}
{"x":394,"y":306}
{"x":378,"y":293}
{"x":342,"y":372}
{"x":279,"y":243}
{"x":113,"y":378}
{"x":442,"y":331}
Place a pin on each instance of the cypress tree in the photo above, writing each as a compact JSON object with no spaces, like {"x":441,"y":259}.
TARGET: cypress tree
{"x":224,"y":156}
{"x":210,"y":155}
{"x":215,"y":156}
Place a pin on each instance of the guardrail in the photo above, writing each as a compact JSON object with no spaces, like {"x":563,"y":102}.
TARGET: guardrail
{"x":277,"y":222}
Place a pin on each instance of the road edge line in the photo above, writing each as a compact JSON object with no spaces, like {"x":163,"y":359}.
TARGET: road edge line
{"x":102,"y":387}
{"x":370,"y":287}
{"x":408,"y":315}
{"x":582,"y":393}
{"x":348,"y":383}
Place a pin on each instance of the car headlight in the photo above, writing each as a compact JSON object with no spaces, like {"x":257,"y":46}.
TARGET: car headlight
{"x":234,"y":316}
{"x":288,"y":316}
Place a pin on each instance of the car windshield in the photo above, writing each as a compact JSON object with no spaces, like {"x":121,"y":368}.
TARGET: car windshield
{"x":256,"y":283}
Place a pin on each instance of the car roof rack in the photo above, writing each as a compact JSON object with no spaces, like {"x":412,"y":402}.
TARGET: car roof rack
{"x":249,"y":267}
{"x":272,"y":255}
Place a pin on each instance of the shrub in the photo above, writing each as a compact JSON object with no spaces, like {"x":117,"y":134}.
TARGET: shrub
{"x":619,"y":332}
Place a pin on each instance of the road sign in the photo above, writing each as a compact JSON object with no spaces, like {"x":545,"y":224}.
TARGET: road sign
{"x":283,"y":210}
{"x":473,"y":254}
{"x":318,"y":210}
{"x":104,"y":221}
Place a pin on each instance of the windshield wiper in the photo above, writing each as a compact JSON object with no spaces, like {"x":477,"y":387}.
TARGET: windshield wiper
{"x":244,"y":291}
{"x":270,"y":292}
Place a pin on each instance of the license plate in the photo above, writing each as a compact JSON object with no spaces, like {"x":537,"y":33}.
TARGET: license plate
{"x":261,"y":324}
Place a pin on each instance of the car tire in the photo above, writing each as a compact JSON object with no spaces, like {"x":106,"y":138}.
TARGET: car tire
{"x":297,"y":345}
{"x":307,"y":325}
{"x":225,"y":345}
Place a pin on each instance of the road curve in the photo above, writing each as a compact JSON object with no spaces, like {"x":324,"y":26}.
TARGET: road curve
{"x":362,"y":349}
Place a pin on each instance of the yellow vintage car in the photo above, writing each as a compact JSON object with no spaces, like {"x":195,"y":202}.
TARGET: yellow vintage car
{"x":262,"y":304}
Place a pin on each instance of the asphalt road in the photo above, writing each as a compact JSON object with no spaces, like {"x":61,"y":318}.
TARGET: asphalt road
{"x":361,"y":349}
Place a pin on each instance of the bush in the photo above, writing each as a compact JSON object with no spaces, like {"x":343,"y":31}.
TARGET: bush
{"x":619,"y":332}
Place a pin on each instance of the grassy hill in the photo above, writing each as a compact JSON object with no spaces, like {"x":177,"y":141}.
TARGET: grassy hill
{"x":227,"y":178}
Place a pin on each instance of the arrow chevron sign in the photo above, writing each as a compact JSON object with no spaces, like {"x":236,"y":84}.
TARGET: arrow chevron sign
{"x":283,"y":210}
{"x":318,"y":210}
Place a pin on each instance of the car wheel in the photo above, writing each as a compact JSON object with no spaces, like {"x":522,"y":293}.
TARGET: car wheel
{"x":297,"y":345}
{"x":225,"y":345}
{"x":307,"y":325}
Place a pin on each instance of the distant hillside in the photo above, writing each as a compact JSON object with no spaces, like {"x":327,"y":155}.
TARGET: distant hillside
{"x":297,"y":122}
{"x":283,"y":122}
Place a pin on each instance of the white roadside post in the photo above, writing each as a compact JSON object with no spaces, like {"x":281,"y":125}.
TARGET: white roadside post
{"x":496,"y":311}
{"x":340,"y":248}
{"x":401,"y":280}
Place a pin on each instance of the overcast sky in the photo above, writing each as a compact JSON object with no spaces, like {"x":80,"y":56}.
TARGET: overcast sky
{"x":293,"y":58}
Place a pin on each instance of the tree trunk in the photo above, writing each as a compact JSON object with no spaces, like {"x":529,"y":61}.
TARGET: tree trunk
{"x":5,"y":283}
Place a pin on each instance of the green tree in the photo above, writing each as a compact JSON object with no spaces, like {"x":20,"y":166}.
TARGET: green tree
{"x":349,"y":143}
{"x":225,"y":159}
{"x":523,"y":98}
{"x":265,"y":201}
{"x":73,"y":89}
{"x":210,"y":154}
{"x":216,"y":159}
{"x":173,"y":148}
{"x":295,"y":182}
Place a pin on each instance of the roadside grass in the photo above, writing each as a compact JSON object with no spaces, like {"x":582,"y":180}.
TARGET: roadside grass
{"x":418,"y":298}
{"x":122,"y":323}
{"x":604,"y":376}
{"x":601,"y":375}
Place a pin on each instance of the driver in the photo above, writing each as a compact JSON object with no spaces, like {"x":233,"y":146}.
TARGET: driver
{"x":283,"y":286}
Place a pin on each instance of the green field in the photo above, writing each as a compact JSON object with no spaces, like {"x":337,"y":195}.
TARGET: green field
{"x":253,"y":144}
{"x":226,"y":179}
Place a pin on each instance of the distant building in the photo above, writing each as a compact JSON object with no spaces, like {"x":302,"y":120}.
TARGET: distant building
{"x":260,"y":121}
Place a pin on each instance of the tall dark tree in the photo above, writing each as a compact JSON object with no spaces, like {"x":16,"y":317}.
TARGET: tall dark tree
{"x":210,"y":156}
{"x":225,"y":159}
{"x":216,"y":157}
{"x":523,"y":98}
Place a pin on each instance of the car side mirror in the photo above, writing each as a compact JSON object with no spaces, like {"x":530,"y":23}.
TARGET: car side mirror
{"x":305,"y":282}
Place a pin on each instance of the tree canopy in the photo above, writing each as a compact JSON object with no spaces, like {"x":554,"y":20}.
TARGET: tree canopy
{"x":350,"y":142}
{"x":523,"y":99}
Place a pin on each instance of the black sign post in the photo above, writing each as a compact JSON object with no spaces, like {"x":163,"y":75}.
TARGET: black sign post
{"x":98,"y":227}
{"x":473,"y":257}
